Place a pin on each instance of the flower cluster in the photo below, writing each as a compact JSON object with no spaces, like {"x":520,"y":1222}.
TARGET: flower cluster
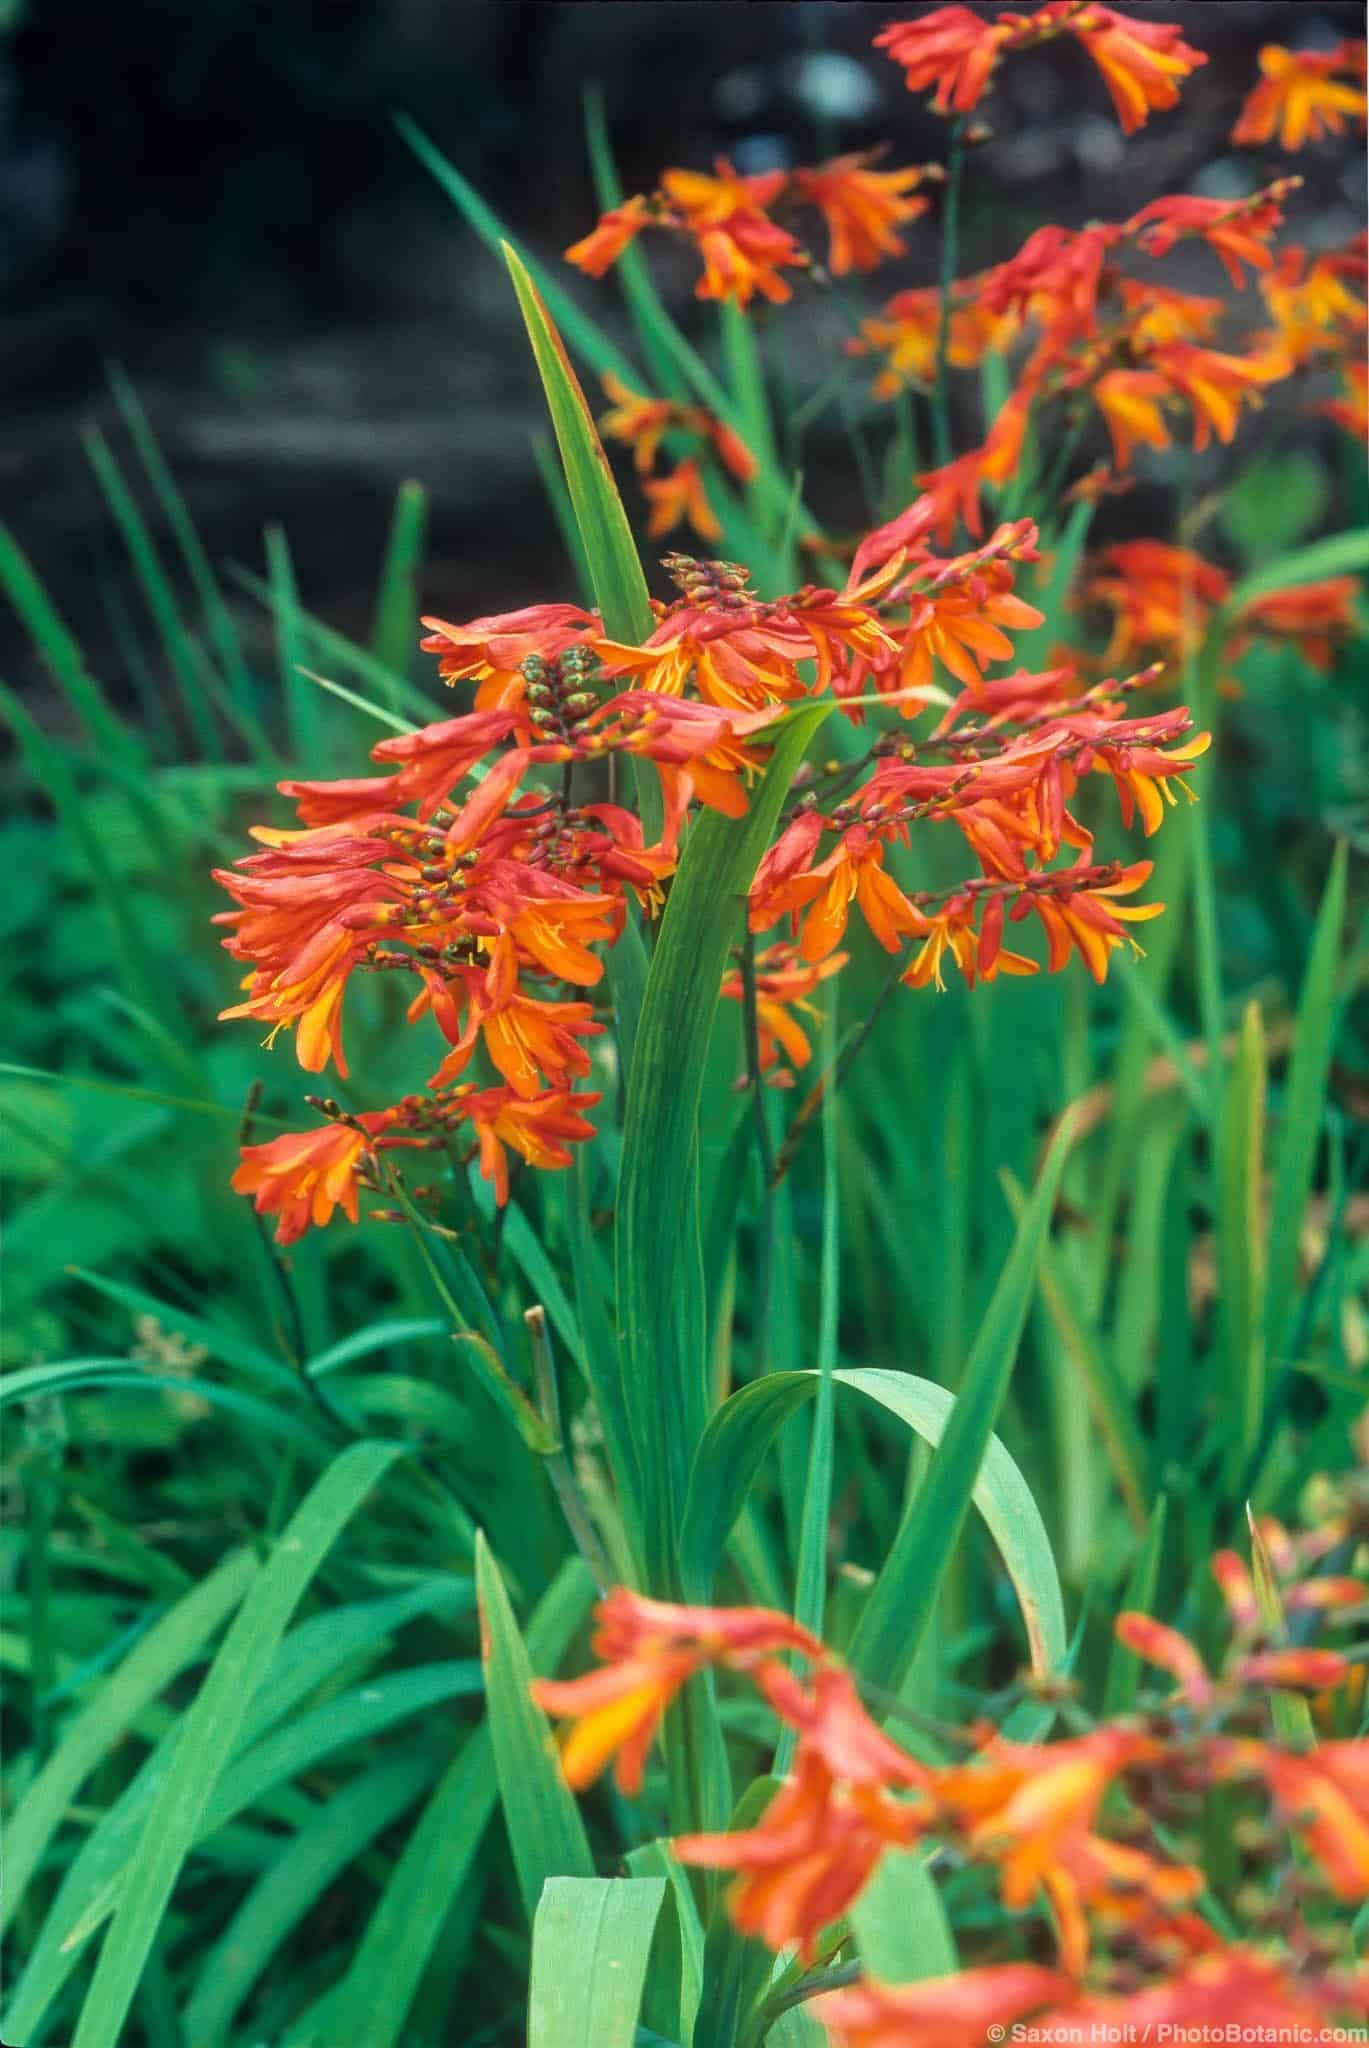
{"x":742,"y":247}
{"x":490,"y":861}
{"x":1304,"y":95}
{"x":641,"y":423}
{"x":1136,"y":350}
{"x":1163,"y":599}
{"x":1101,"y":1827}
{"x":1143,"y":62}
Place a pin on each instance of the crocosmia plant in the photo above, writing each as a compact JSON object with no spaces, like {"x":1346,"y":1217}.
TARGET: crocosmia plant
{"x":899,"y":1401}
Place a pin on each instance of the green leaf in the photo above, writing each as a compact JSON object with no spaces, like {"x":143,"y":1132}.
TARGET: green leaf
{"x":660,"y":1283}
{"x":394,"y":632}
{"x":619,"y":586}
{"x":591,"y":1939}
{"x":1124,"y":1666}
{"x":210,"y":1728}
{"x":901,"y":1931}
{"x":546,"y":1833}
{"x":740,"y":1434}
{"x":166,"y":1649}
{"x":901,"y":1604}
{"x":1240,"y":1244}
{"x":371,"y":2004}
{"x":1302,"y":1108}
{"x":1289,"y":1711}
{"x":1273,"y":503}
{"x":585,"y":335}
{"x":313,"y":1859}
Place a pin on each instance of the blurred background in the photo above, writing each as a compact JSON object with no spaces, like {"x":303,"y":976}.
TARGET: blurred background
{"x":217,"y":199}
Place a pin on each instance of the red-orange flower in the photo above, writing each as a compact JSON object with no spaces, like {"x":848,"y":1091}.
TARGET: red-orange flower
{"x":600,"y":249}
{"x":635,"y":419}
{"x":942,"y":2012}
{"x":649,"y":1649}
{"x":1161,"y":596}
{"x":862,"y":208}
{"x":1142,"y":62}
{"x":1324,"y":1796}
{"x":1303,"y":95}
{"x":540,"y":1129}
{"x":1087,"y":918}
{"x":302,"y":1176}
{"x":678,"y":497}
{"x":1162,"y":1645}
{"x":742,"y":249}
{"x":783,"y":982}
{"x":1132,"y":404}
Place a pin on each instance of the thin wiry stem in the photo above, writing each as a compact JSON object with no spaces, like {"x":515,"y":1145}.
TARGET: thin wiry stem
{"x":950,"y":256}
{"x":764,"y":1145}
{"x":559,"y":1469}
{"x":833,"y":1076}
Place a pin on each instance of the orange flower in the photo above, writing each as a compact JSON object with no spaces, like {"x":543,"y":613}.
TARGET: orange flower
{"x":809,"y":1856}
{"x":1162,"y":598}
{"x":1313,"y":304}
{"x":853,"y":871}
{"x":818,"y":1841}
{"x":742,"y":249}
{"x":1239,"y":233}
{"x":1230,"y":1994}
{"x":1174,"y":1653}
{"x":1142,"y":62}
{"x":1031,"y":1810}
{"x":979,"y":958}
{"x":1325,"y":1798}
{"x":490,"y":651}
{"x":530,"y":1043}
{"x":783,"y":981}
{"x":942,"y":2012}
{"x":1087,"y":917}
{"x":302,"y":1176}
{"x":1131,"y":402}
{"x":1215,"y":385}
{"x":650,"y":1648}
{"x":540,"y":1129}
{"x":600,"y":249}
{"x":862,"y":208}
{"x":681,"y":496}
{"x":1316,"y":617}
{"x":950,"y":48}
{"x":1302,"y":95}
{"x":907,"y":333}
{"x":637,"y":421}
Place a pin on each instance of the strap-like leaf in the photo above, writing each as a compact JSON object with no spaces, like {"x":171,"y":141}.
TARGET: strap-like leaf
{"x":590,"y":1943}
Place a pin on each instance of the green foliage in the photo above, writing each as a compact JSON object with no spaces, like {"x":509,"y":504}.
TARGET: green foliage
{"x":267,"y":1685}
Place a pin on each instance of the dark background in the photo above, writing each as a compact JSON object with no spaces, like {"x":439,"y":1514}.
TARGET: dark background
{"x":214,"y":195}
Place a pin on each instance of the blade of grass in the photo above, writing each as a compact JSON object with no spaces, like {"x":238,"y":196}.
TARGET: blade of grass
{"x":1240,"y":1246}
{"x":902,"y":1601}
{"x":546,"y":1833}
{"x":211,"y":1725}
{"x":157,"y":593}
{"x":591,"y":1938}
{"x":394,"y":632}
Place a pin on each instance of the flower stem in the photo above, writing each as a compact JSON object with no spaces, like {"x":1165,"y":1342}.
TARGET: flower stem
{"x":950,"y":256}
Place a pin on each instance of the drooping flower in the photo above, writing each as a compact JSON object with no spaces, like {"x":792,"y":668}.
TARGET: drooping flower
{"x":862,"y":207}
{"x":540,"y":1128}
{"x":648,"y":1649}
{"x":635,"y":419}
{"x":1143,"y":62}
{"x":960,"y":2011}
{"x":783,"y":984}
{"x":598,"y":251}
{"x":681,"y":497}
{"x":1087,"y":917}
{"x":301,"y":1177}
{"x":1303,"y":95}
{"x":743,"y":251}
